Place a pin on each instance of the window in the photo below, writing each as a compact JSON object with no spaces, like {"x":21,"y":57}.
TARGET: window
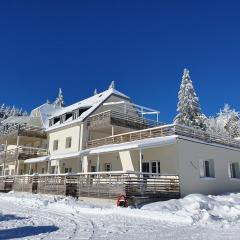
{"x":145,"y":167}
{"x":151,"y":167}
{"x":155,"y":167}
{"x":50,"y":122}
{"x":55,"y":145}
{"x":75,"y":115}
{"x":42,"y":170}
{"x":234,"y":170}
{"x":108,"y":167}
{"x":68,"y":142}
{"x":53,"y":169}
{"x":207,"y":168}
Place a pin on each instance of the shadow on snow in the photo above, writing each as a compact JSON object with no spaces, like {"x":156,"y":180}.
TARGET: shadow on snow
{"x":26,"y":231}
{"x":9,"y":217}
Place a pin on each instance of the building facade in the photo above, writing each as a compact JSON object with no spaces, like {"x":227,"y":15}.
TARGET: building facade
{"x":108,"y":133}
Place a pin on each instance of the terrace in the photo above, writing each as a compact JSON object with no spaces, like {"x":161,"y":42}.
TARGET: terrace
{"x":21,"y":153}
{"x":162,"y":131}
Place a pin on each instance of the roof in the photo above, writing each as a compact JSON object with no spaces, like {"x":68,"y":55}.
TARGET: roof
{"x":92,"y":102}
{"x":45,"y":111}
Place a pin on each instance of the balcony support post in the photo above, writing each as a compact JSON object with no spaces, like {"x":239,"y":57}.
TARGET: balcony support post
{"x":98,"y":163}
{"x":140,"y":160}
{"x":112,"y":130}
{"x":17,"y":155}
{"x":5,"y":159}
{"x":29,"y":171}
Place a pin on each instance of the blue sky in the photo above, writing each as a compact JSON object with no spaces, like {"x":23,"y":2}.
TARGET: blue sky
{"x":142,"y":45}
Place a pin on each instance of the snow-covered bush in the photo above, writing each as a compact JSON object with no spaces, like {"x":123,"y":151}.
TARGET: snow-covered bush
{"x":226,"y":123}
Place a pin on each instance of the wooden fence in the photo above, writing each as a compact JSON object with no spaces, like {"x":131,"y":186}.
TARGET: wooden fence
{"x":134,"y":185}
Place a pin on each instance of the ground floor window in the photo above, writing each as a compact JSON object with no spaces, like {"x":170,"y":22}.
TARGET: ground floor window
{"x":151,"y":167}
{"x":53,"y":169}
{"x":207,"y":168}
{"x":93,"y":168}
{"x":108,"y":167}
{"x":42,"y":170}
{"x":68,"y":170}
{"x":234,"y":170}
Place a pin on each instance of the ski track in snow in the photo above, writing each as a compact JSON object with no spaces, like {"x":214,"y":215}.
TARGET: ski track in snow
{"x":49,"y":219}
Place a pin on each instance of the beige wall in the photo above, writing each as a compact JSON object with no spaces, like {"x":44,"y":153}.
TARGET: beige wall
{"x":190,"y":154}
{"x":61,"y":136}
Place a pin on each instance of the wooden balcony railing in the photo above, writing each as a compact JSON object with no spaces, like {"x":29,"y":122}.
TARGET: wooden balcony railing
{"x":21,"y":153}
{"x":162,"y":131}
{"x":112,"y":117}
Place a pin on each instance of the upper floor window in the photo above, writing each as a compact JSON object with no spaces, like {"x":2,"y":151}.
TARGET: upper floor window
{"x":55,"y":145}
{"x":234,"y":170}
{"x":207,"y":168}
{"x":50,"y":122}
{"x":68,"y":142}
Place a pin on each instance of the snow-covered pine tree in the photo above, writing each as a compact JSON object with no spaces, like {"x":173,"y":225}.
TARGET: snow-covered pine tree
{"x":188,"y":108}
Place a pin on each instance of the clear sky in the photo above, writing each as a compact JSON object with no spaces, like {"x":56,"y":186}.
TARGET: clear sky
{"x":142,"y":45}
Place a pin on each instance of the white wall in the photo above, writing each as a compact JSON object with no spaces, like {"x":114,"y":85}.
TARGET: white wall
{"x":190,"y":154}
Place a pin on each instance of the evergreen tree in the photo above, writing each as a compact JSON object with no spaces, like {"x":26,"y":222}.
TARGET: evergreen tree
{"x":188,"y":108}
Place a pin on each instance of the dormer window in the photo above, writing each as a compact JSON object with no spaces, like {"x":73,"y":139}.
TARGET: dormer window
{"x":75,"y":114}
{"x":82,"y":110}
{"x":63,"y":118}
{"x":68,"y":115}
{"x":50,"y":122}
{"x":56,"y":120}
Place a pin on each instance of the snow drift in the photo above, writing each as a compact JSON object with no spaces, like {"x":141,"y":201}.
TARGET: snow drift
{"x":194,"y":209}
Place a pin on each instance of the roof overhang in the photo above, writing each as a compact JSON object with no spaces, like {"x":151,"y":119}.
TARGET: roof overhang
{"x":139,"y":144}
{"x":37,"y":160}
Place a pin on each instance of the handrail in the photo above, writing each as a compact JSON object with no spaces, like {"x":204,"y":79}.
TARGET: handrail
{"x":165,"y":130}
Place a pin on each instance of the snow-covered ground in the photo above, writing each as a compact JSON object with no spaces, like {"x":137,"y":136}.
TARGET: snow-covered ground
{"x":27,"y":216}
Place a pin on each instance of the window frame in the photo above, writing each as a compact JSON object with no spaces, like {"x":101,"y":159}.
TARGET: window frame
{"x":207,"y":171}
{"x":236,"y":171}
{"x":55,"y":145}
{"x":68,"y":144}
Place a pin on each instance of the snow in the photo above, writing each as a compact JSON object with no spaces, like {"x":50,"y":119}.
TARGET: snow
{"x":196,"y":216}
{"x":36,"y":160}
{"x":92,"y":102}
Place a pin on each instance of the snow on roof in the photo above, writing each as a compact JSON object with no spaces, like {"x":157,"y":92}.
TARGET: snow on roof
{"x":139,"y":144}
{"x":63,"y":156}
{"x":38,"y":159}
{"x":92,"y":103}
{"x":16,"y":120}
{"x":45,"y":111}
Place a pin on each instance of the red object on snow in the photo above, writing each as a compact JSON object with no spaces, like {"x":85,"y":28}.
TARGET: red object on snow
{"x":122,"y":201}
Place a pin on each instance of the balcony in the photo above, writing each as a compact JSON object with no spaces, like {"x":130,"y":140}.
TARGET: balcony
{"x":114,"y":118}
{"x":23,"y":130}
{"x":162,"y":131}
{"x":21,"y":153}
